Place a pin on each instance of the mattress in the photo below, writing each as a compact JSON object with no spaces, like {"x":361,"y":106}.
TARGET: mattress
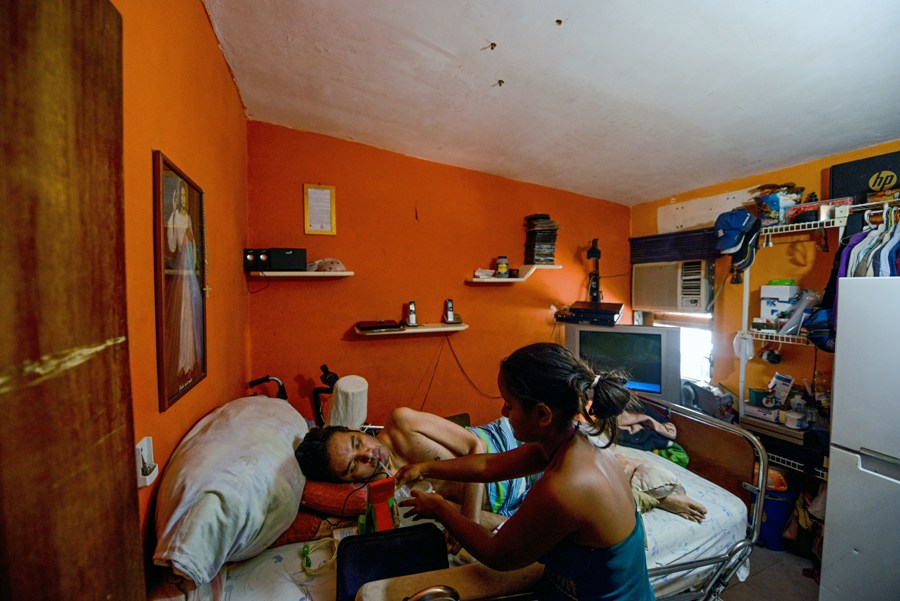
{"x":277,"y":574}
{"x":672,"y":539}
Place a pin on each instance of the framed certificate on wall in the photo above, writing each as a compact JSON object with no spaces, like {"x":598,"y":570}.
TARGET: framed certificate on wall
{"x":318,"y":210}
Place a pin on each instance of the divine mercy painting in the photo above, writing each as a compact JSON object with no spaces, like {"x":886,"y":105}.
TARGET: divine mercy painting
{"x":180,"y":281}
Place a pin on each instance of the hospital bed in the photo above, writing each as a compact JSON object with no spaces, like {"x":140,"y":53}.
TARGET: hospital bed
{"x":686,"y":560}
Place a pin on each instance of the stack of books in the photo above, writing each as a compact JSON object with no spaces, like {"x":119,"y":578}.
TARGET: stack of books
{"x":540,"y":239}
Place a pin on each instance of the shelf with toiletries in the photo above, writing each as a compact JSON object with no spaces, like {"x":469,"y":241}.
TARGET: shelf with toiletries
{"x":778,"y":418}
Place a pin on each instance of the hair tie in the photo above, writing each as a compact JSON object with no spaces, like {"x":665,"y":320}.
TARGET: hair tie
{"x":594,"y":383}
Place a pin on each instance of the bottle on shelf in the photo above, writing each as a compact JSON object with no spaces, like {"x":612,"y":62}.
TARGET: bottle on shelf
{"x":502,"y":267}
{"x":822,"y":392}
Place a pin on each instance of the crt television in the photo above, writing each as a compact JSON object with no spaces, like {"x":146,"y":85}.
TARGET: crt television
{"x":649,"y":355}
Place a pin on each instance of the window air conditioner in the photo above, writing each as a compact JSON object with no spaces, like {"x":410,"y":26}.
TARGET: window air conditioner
{"x":677,"y":287}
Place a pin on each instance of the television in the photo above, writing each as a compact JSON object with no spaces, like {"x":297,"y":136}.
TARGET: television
{"x":649,"y":355}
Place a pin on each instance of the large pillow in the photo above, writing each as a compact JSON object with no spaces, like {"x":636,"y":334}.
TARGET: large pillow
{"x":231,"y":487}
{"x":340,"y":499}
{"x":324,"y":507}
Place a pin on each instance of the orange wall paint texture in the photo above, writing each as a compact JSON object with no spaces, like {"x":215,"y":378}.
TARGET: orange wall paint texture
{"x":179,"y":97}
{"x":411,"y":230}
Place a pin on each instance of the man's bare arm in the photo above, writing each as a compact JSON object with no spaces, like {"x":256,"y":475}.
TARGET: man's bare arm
{"x":420,"y":436}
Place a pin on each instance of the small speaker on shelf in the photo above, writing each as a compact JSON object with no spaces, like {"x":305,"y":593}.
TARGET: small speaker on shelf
{"x":257,"y":259}
{"x":287,"y":259}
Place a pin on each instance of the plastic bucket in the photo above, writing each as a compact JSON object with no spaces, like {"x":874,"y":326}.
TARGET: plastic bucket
{"x":777,"y":509}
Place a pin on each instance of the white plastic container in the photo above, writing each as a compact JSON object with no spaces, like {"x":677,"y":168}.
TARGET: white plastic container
{"x":775,"y":301}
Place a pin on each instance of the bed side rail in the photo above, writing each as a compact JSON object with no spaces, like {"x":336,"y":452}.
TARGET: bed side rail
{"x":723,"y":453}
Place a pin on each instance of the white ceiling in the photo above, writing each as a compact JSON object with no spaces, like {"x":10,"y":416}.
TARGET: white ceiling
{"x":625,"y":100}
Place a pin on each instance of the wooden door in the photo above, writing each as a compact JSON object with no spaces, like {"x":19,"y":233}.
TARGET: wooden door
{"x":69,"y":527}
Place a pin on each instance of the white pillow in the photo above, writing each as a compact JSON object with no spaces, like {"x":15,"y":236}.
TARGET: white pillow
{"x":231,"y":487}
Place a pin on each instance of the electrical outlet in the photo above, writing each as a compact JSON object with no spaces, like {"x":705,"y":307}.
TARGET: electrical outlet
{"x":147,"y":470}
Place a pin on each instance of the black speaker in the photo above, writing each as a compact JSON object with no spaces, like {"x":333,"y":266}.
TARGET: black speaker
{"x":287,"y":259}
{"x":256,"y":259}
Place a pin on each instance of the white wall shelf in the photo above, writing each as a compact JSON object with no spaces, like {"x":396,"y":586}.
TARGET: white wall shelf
{"x":425,"y":328}
{"x":300,"y":274}
{"x":773,"y":429}
{"x":524,"y":273}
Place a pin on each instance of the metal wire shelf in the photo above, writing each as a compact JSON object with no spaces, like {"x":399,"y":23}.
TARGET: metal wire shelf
{"x":780,"y":338}
{"x":798,"y":227}
{"x":795,"y":465}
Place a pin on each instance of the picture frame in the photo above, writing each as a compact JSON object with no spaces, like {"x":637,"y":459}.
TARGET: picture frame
{"x":319,"y":210}
{"x":179,"y":237}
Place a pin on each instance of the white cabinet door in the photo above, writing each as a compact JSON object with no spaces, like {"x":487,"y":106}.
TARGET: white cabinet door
{"x":866,"y":395}
{"x":862,"y":517}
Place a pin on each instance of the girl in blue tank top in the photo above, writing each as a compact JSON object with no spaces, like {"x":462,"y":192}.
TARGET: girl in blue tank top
{"x":579,"y":518}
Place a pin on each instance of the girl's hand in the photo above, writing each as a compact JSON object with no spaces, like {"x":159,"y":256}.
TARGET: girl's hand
{"x":411,"y":472}
{"x":424,"y":505}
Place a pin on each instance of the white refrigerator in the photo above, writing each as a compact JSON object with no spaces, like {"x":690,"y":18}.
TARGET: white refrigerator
{"x":862,"y":514}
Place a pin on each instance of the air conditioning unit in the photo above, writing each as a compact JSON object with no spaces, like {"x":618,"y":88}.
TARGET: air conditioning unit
{"x":676,"y":287}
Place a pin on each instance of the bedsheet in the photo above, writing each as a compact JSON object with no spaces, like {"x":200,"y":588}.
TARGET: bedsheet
{"x":277,"y":574}
{"x":672,"y":539}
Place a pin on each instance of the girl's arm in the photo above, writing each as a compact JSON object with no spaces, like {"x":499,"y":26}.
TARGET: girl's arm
{"x":526,"y":537}
{"x":522,"y":461}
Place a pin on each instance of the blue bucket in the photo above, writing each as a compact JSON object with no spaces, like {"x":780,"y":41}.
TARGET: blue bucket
{"x":777,"y":509}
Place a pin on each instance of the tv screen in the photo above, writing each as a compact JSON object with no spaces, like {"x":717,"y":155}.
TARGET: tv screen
{"x":650,"y":356}
{"x":639,"y":355}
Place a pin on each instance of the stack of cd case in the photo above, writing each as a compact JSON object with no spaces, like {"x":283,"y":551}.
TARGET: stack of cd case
{"x":540,"y":239}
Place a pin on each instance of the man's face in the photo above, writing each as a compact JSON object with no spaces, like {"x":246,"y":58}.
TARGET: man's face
{"x":355,"y":457}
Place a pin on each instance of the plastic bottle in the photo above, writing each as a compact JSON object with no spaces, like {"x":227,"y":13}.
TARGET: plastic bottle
{"x":822,"y":390}
{"x":502,"y":267}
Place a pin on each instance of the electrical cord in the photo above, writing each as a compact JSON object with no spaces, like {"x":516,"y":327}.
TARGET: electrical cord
{"x":712,"y":303}
{"x":437,"y":361}
{"x":383,"y":470}
{"x":254,"y":291}
{"x":466,"y":375}
{"x":310,"y":547}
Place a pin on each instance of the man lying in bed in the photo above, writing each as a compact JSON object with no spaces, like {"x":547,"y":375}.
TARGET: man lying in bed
{"x":338,"y":454}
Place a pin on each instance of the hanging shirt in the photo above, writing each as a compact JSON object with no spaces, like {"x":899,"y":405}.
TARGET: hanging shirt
{"x":884,"y":262}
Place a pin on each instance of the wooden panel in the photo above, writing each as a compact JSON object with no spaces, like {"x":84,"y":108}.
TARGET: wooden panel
{"x":69,"y":525}
{"x":719,"y":455}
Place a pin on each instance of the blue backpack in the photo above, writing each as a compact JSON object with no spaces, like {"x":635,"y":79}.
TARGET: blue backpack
{"x":820,"y":330}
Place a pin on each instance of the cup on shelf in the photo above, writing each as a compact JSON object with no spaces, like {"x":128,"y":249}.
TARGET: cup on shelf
{"x":757,"y":395}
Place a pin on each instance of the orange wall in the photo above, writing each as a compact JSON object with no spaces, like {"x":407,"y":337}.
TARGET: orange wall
{"x":179,"y":98}
{"x":792,"y":256}
{"x":411,"y":230}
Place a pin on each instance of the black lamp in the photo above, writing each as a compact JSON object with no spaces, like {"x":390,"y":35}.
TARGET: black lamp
{"x":594,"y":278}
{"x":329,"y":379}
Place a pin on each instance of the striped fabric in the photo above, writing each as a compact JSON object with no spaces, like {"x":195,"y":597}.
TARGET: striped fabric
{"x":505,"y":496}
